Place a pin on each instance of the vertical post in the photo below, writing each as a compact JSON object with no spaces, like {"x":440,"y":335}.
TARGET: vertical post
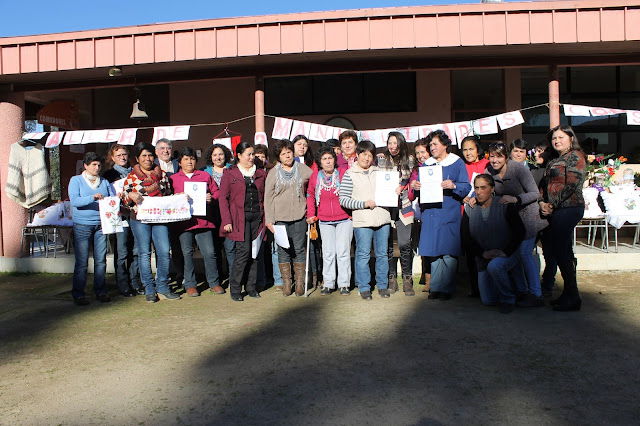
{"x":512,"y":100}
{"x":259,"y":104}
{"x":554,"y":96}
{"x":12,"y":216}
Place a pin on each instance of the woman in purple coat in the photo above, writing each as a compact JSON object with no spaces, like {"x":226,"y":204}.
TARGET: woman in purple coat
{"x":242,"y":217}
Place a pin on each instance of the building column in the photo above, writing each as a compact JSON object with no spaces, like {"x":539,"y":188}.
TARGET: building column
{"x":512,"y":100}
{"x":12,"y":216}
{"x":554,"y":96}
{"x":259,"y":104}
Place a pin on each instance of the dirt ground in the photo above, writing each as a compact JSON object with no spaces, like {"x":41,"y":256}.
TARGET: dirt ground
{"x":321,"y":360}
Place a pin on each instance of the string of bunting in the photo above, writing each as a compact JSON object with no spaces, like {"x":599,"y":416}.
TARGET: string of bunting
{"x":285,"y":128}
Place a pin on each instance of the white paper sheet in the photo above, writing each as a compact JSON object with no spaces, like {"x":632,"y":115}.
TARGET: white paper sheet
{"x":280,"y":236}
{"x":473,"y":176}
{"x":431,"y":184}
{"x":110,"y":218}
{"x":255,"y":245}
{"x":198,"y":193}
{"x":386,"y":184}
{"x":173,"y":208}
{"x":118,"y":186}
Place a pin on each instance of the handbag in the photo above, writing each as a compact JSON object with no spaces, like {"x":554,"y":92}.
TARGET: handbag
{"x":313,"y":232}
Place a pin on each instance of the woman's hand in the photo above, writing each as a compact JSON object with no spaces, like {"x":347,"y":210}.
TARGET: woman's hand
{"x":399,"y":189}
{"x":370,"y":204}
{"x":228,"y":228}
{"x":98,"y":196}
{"x":472,"y":201}
{"x":209,"y":198}
{"x":416,"y":184}
{"x":448,"y":184}
{"x":546,"y":209}
{"x":312,"y":219}
{"x":493,"y":253}
{"x":508,"y":199}
{"x":136,"y":197}
{"x":270,"y":227}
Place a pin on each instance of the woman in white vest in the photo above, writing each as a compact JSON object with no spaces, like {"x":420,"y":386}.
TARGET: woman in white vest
{"x":370,"y":222}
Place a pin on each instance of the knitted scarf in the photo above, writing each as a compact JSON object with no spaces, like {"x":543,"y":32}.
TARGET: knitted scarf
{"x":123,"y":171}
{"x":327,"y":183}
{"x":150,"y":180}
{"x":286,"y":179}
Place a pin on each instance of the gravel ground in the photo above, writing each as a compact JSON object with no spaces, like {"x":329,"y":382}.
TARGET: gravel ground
{"x":331,"y":360}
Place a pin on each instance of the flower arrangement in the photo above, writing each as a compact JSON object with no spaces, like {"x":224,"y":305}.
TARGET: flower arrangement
{"x":604,"y":167}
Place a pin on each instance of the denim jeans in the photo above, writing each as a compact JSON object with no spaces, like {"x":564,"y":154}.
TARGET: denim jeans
{"x":204,"y":238}
{"x":364,"y":238}
{"x":493,"y":282}
{"x":144,"y":233}
{"x":336,"y":248}
{"x":403,"y":233}
{"x":530,"y":267}
{"x":277,"y":277}
{"x":125,"y":260}
{"x":83,"y":236}
{"x":443,"y":274}
{"x":230,"y":250}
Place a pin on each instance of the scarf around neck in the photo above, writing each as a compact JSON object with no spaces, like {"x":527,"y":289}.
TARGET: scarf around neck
{"x":123,"y":171}
{"x":93,"y":184}
{"x":150,"y":180}
{"x":247,"y":172}
{"x":290,"y":178}
{"x":327,"y":183}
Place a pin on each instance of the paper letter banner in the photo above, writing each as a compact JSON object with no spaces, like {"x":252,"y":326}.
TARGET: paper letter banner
{"x":600,"y":111}
{"x":173,"y":208}
{"x":510,"y":119}
{"x":224,"y":141}
{"x":485,"y":126}
{"x":576,"y":110}
{"x":33,"y":135}
{"x":281,"y":128}
{"x":260,"y":138}
{"x":374,"y":136}
{"x":425,"y":130}
{"x":73,"y":138}
{"x":633,"y":118}
{"x":463,"y":129}
{"x":54,"y":139}
{"x":300,"y":128}
{"x":94,"y":136}
{"x":410,"y":133}
{"x":128,"y":137}
{"x":113,"y":135}
{"x":110,"y":218}
{"x":337,"y":131}
{"x":321,"y":133}
{"x":173,"y":133}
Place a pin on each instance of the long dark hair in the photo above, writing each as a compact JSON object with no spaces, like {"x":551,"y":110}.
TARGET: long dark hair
{"x":564,"y":128}
{"x":308,"y":156}
{"x":403,"y":158}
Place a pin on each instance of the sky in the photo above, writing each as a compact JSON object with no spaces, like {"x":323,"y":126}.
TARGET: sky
{"x":50,"y":16}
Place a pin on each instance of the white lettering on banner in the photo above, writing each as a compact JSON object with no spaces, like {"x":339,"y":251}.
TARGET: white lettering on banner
{"x":300,"y":128}
{"x":260,"y":138}
{"x":485,"y":126}
{"x":53,"y":121}
{"x":54,"y":139}
{"x":173,"y":208}
{"x":281,"y":128}
{"x":73,"y":138}
{"x":319,"y":132}
{"x":510,"y":119}
{"x":224,"y":141}
{"x":462,"y":129}
{"x":113,"y":135}
{"x":576,"y":110}
{"x":600,"y":111}
{"x":94,"y":136}
{"x":128,"y":137}
{"x":423,"y":131}
{"x":173,"y":133}
{"x":633,"y":118}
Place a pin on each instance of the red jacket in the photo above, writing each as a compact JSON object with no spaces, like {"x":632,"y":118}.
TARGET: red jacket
{"x":178,"y":180}
{"x":231,"y":200}
{"x":478,"y":167}
{"x":329,"y":208}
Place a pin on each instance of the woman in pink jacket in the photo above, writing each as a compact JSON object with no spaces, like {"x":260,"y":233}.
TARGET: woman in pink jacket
{"x":323,"y":205}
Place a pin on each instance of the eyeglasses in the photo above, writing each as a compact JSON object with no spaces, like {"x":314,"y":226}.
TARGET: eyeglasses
{"x":121,"y":155}
{"x":164,"y":148}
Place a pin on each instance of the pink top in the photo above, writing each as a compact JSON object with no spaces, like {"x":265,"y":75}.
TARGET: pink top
{"x":329,"y":208}
{"x":179,"y":180}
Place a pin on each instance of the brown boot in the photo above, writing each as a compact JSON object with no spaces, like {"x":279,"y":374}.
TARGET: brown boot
{"x":298,"y":271}
{"x":285,"y":272}
{"x":427,"y":283}
{"x":407,"y":286}
{"x":393,"y":284}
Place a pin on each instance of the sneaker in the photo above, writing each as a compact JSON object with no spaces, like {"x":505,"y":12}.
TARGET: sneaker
{"x":325,"y":291}
{"x":140,"y":291}
{"x":384,"y":293}
{"x":530,"y":301}
{"x":254,"y":294}
{"x":192,"y":292}
{"x":151,"y":298}
{"x":128,"y":293}
{"x":218,"y":290}
{"x":506,"y":308}
{"x":103,"y":298}
{"x":344,"y":291}
{"x":366,"y":295}
{"x":81,"y":301}
{"x":169,"y":295}
{"x":236,"y":297}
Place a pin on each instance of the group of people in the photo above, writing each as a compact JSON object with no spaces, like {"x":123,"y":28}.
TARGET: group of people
{"x":493,"y":210}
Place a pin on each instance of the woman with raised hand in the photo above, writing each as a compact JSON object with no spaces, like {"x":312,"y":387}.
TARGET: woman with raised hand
{"x":562,"y":202}
{"x":323,"y":206}
{"x":440,"y":233}
{"x":198,"y":228}
{"x":286,"y":204}
{"x":85,"y":190}
{"x":147,"y":179}
{"x":242,"y":211}
{"x":397,"y":157}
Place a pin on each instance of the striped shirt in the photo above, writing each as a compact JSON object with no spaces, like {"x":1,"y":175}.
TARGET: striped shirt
{"x":346,"y":190}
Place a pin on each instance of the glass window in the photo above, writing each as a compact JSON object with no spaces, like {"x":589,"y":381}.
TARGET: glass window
{"x":592,"y":79}
{"x":477,"y":89}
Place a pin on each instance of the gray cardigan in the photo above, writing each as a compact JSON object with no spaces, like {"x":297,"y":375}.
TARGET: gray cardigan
{"x":518,"y":182}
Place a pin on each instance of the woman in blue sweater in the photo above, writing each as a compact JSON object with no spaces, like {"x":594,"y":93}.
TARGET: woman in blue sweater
{"x":84,"y":192}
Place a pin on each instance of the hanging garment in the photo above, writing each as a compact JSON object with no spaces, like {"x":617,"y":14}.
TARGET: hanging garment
{"x":28,"y":181}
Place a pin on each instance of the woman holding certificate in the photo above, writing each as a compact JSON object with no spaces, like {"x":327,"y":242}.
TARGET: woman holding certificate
{"x":241,"y":210}
{"x":443,"y":183}
{"x":286,"y":204}
{"x":398,"y":158}
{"x":148,"y":180}
{"x":202,"y":190}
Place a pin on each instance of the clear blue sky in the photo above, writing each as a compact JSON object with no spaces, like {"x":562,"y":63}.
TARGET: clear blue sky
{"x":24,"y":17}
